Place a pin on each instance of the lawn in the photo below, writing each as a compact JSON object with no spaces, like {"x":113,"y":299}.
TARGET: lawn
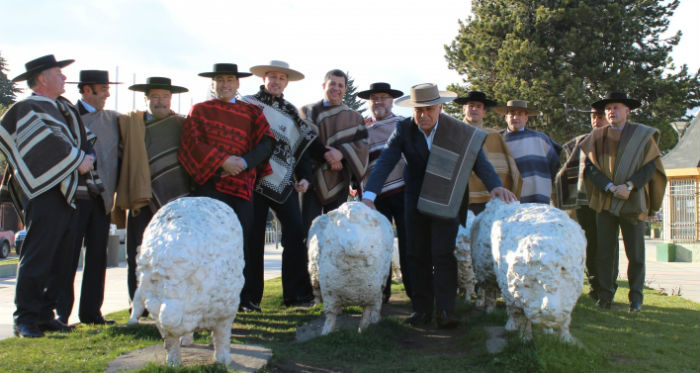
{"x":664,"y":337}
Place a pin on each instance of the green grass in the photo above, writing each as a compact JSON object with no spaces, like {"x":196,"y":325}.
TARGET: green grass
{"x":9,"y":260}
{"x":664,"y":337}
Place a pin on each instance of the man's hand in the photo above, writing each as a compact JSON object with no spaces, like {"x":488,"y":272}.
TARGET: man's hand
{"x":621,"y":191}
{"x":503,"y":194}
{"x":233,"y":166}
{"x":369,"y":203}
{"x":301,"y":186}
{"x":86,"y":165}
{"x":336,"y":166}
{"x":332,"y":155}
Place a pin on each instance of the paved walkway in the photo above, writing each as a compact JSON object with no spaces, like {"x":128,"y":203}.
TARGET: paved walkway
{"x":668,"y":277}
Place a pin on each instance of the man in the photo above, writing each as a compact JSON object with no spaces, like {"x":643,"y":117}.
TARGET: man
{"x":571,"y":194}
{"x":440,"y":154}
{"x":225,"y":146}
{"x":474,"y":106}
{"x":389,"y":202}
{"x":343,"y":136}
{"x":536,"y":155}
{"x":46,"y":146}
{"x":94,"y":211}
{"x":276,"y":191}
{"x":150,"y":175}
{"x":625,"y":183}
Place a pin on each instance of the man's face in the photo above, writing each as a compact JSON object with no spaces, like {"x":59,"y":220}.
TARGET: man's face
{"x":380,"y":105}
{"x":598,"y":120}
{"x":426,"y":117}
{"x":54,"y":81}
{"x":225,"y":86}
{"x":616,"y":112}
{"x":96,"y":95}
{"x":275,"y":82}
{"x":516,"y":119}
{"x":334,"y":90}
{"x":158,"y":101}
{"x":474,"y":111}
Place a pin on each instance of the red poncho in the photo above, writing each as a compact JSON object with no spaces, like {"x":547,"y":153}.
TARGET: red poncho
{"x":215,"y":130}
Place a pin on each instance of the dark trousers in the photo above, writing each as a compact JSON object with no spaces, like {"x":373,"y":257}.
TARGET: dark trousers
{"x":477,"y":208}
{"x":587,"y":220}
{"x":296,"y":284}
{"x":391,"y":206}
{"x":45,"y":256}
{"x":431,"y":245}
{"x":608,"y":251}
{"x":135,"y":226}
{"x":93,"y":229}
{"x":244,"y":210}
{"x":311,"y":207}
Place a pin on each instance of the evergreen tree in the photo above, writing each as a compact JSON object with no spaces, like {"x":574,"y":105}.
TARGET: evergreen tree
{"x":350,"y":99}
{"x":561,"y":55}
{"x":8,"y":91}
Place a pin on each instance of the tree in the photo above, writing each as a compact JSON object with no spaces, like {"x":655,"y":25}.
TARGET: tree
{"x":561,"y":55}
{"x":350,"y":99}
{"x":8,"y":91}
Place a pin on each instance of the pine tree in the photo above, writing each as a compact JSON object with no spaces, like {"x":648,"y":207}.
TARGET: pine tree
{"x":350,"y":99}
{"x":560,"y":55}
{"x":8,"y":91}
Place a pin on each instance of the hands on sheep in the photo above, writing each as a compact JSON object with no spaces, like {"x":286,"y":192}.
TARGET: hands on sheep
{"x":503,"y":194}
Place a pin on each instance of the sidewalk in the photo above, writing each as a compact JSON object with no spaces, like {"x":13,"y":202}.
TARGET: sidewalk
{"x":116,"y":292}
{"x":668,"y":277}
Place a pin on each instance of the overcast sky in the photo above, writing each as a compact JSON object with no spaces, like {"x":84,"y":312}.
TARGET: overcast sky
{"x":400,"y":42}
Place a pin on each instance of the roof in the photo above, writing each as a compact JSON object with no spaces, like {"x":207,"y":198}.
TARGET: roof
{"x":686,"y":154}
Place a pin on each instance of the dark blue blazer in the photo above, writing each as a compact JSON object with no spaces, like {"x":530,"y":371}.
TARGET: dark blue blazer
{"x":408,"y":140}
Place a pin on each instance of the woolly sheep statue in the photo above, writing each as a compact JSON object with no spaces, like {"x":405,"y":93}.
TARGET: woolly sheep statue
{"x":190,"y":270}
{"x":482,"y":258}
{"x":463,"y":253}
{"x":539,"y":257}
{"x":350,"y":260}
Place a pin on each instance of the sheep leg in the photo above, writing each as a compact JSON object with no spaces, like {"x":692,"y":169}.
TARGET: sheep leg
{"x":370,"y":315}
{"x":187,"y":339}
{"x":172,"y":349}
{"x":221,"y":338}
{"x":526,"y":330}
{"x":137,"y":307}
{"x":331,"y":313}
{"x":490,"y":298}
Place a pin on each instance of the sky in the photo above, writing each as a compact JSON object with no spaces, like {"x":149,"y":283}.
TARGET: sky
{"x":396,"y":41}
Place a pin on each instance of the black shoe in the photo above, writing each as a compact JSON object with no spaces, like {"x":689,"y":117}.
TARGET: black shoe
{"x":418,"y":318}
{"x":302,"y":301}
{"x":248,"y":306}
{"x":385,"y":298}
{"x":54,"y":325}
{"x":27,"y":331}
{"x":447,"y":321}
{"x":604,"y":304}
{"x":635,"y":306}
{"x":99,"y":321}
{"x":593,"y":294}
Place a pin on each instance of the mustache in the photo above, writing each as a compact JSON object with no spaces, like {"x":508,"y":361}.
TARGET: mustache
{"x":160,"y":106}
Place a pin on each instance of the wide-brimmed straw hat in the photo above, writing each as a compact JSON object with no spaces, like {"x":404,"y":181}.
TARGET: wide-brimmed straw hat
{"x":40,"y":64}
{"x":380,"y":88}
{"x":93,"y":77}
{"x":616,"y":97}
{"x":475,"y":96}
{"x":279,"y":66}
{"x":516,"y":104}
{"x":225,"y":69}
{"x":426,"y":94}
{"x":158,"y":82}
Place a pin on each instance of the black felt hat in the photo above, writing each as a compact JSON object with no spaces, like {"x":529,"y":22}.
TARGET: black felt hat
{"x":380,"y":88}
{"x":158,"y":82}
{"x":475,"y":96}
{"x":616,"y":97}
{"x":93,"y":77}
{"x":40,"y":64}
{"x":225,"y":69}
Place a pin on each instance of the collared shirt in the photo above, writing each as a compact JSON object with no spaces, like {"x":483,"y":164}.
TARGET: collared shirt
{"x":520,"y":130}
{"x":326,"y":103}
{"x":88,"y":107}
{"x":429,"y":138}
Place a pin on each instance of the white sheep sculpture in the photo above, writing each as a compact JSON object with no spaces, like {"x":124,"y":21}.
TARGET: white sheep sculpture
{"x":466,"y":280}
{"x":190,"y":270}
{"x":539,"y":254}
{"x":349,"y":261}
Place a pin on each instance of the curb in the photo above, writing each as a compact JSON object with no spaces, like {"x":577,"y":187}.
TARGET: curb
{"x":8,"y":270}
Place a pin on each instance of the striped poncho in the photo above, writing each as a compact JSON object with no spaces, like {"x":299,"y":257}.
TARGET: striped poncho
{"x":537,"y":157}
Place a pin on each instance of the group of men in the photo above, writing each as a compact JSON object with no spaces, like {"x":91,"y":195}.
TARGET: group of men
{"x":259,"y":152}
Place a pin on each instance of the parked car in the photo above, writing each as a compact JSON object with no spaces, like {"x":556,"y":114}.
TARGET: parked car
{"x":19,"y":240}
{"x":7,"y":240}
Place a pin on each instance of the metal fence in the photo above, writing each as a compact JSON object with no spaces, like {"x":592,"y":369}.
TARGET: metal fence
{"x":684,"y":209}
{"x":273,"y":233}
